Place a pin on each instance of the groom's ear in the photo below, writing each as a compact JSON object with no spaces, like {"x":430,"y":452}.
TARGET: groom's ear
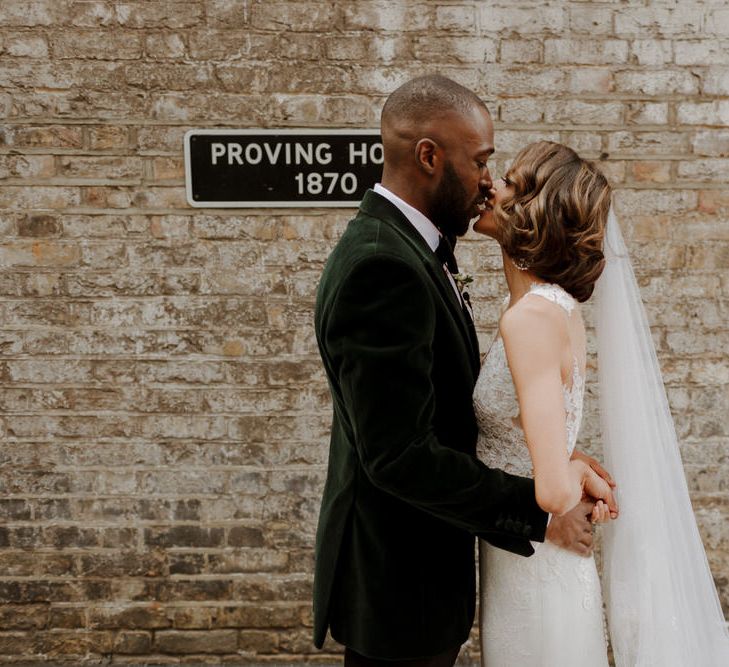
{"x":427,"y":155}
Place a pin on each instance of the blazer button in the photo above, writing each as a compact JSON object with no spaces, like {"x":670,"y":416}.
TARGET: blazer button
{"x":509,"y":524}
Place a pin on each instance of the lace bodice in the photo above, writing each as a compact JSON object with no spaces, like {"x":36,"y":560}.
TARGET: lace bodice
{"x":501,"y":442}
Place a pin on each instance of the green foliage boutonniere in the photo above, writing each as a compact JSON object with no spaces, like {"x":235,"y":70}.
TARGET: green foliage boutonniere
{"x":462,"y":280}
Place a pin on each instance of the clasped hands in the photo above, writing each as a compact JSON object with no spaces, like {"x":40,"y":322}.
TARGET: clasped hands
{"x":573,"y":530}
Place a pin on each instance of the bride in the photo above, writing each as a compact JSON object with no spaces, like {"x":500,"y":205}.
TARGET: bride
{"x":551,"y":214}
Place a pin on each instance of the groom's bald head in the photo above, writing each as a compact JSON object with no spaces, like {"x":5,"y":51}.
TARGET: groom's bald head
{"x":427,"y":106}
{"x":428,"y":97}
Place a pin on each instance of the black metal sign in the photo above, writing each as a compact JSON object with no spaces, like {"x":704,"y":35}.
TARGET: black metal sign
{"x":281,"y":168}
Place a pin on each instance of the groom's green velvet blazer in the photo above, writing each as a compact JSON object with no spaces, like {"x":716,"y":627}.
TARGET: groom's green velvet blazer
{"x":405,"y":494}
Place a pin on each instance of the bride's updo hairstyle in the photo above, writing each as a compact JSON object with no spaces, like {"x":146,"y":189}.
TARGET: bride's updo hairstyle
{"x":554,"y":223}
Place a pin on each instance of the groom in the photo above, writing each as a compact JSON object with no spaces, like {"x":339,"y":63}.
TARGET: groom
{"x":405,"y":494}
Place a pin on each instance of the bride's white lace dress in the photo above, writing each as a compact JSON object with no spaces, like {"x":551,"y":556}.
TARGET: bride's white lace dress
{"x":546,"y":609}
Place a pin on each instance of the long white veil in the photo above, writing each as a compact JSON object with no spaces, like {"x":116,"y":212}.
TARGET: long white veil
{"x":663,"y":609}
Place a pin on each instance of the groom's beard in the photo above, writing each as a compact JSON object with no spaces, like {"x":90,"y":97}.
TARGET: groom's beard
{"x":452,"y":208}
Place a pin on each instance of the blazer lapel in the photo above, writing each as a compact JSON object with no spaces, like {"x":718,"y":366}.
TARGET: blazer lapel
{"x":379,"y":207}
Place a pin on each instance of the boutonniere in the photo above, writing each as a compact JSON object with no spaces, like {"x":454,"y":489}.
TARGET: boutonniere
{"x":462,"y":280}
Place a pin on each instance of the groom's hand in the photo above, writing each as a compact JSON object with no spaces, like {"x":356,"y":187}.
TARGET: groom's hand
{"x":573,"y":530}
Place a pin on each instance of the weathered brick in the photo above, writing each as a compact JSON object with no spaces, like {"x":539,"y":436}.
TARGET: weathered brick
{"x":717,"y":22}
{"x":658,"y":82}
{"x":164,"y":46}
{"x":194,"y":618}
{"x":292,"y":16}
{"x":522,"y":81}
{"x":458,"y":18}
{"x":583,"y":113}
{"x":27,"y":46}
{"x":99,"y":44}
{"x":187,"y":564}
{"x":711,"y":169}
{"x":74,"y":643}
{"x":184,"y":536}
{"x":711,"y":143}
{"x":703,"y":113}
{"x":243,"y":536}
{"x":123,"y":564}
{"x":590,"y":80}
{"x":210,"y":641}
{"x":456,"y":49}
{"x":39,"y":253}
{"x":521,"y":111}
{"x":50,"y":136}
{"x":212,"y":45}
{"x":521,"y":51}
{"x":382,"y":15}
{"x":68,"y":618}
{"x":23,"y":617}
{"x":648,"y":113}
{"x":168,"y":169}
{"x":520,"y":20}
{"x":716,"y":81}
{"x":651,"y":171}
{"x":653,"y":51}
{"x":679,"y":20}
{"x":91,"y":14}
{"x":104,"y":137}
{"x":39,"y":225}
{"x":259,"y":641}
{"x":700,"y":52}
{"x":591,"y":19}
{"x":633,"y":202}
{"x":257,"y":616}
{"x":584,"y":142}
{"x":226,"y":13}
{"x":29,"y":12}
{"x":585,"y":51}
{"x":172,"y":14}
{"x":133,"y":617}
{"x":133,"y":643}
{"x":100,"y":168}
{"x":248,"y":560}
{"x":646,"y":143}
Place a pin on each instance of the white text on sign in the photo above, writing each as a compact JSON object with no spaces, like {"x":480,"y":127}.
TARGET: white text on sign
{"x":297,"y":153}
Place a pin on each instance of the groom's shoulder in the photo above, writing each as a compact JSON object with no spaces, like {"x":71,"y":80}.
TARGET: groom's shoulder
{"x":369,"y":237}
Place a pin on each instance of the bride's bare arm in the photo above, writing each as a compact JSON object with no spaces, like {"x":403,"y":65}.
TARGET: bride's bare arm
{"x":534,"y":340}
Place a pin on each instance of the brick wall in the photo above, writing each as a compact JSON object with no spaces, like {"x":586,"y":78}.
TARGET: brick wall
{"x":164,"y":416}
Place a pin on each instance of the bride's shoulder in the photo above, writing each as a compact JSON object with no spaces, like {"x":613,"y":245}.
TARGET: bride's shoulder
{"x":531,"y":319}
{"x":532,"y":309}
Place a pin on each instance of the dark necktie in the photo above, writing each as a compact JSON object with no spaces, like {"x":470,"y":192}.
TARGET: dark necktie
{"x":444,"y":252}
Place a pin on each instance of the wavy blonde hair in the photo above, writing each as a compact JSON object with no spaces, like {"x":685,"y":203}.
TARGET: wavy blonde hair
{"x":554,"y":223}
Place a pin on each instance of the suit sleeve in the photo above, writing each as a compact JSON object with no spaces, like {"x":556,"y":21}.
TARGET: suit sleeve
{"x":379,"y":335}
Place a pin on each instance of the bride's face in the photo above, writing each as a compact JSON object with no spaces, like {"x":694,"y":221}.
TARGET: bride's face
{"x":486,"y":223}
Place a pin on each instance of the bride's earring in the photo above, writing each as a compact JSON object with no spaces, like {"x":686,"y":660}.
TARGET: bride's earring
{"x":521,"y":264}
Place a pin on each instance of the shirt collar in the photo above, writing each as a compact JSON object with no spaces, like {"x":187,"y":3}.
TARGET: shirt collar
{"x":426,"y":228}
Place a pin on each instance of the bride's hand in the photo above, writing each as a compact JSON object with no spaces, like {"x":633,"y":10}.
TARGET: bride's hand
{"x":595,"y":465}
{"x":600,"y":513}
{"x":596,"y":487}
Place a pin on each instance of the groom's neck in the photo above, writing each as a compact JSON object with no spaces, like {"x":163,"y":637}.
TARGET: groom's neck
{"x":410,"y":189}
